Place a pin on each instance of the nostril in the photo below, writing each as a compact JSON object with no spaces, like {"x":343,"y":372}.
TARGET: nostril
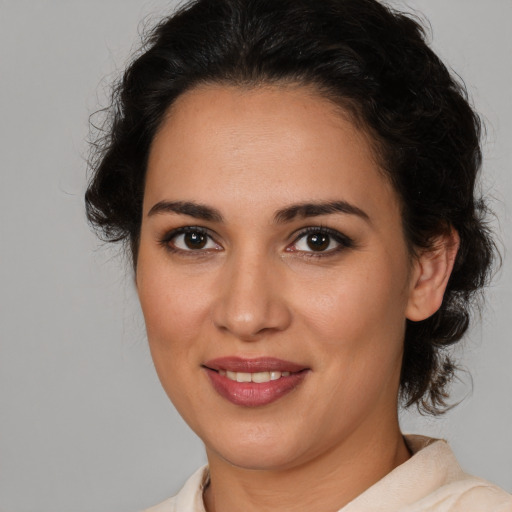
{"x":249,"y":305}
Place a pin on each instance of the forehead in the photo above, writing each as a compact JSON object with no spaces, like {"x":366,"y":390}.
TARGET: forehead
{"x":260,"y":145}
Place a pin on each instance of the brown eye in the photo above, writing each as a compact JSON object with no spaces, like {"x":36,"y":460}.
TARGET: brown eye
{"x":318,"y":241}
{"x":195,"y":240}
{"x":190,"y":239}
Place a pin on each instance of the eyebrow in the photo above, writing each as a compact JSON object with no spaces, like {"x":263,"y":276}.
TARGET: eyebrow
{"x":305,"y":210}
{"x":301,"y":210}
{"x":198,"y":211}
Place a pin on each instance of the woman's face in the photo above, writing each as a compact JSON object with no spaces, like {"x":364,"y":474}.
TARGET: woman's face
{"x":273,"y":275}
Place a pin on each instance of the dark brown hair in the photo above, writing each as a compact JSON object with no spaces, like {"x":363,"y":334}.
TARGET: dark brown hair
{"x":372,"y":61}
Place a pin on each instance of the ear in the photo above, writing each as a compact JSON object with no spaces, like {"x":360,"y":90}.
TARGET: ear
{"x":431,"y":270}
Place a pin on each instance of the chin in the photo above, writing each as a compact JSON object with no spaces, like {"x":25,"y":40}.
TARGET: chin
{"x":257,"y":449}
{"x":256,"y":459}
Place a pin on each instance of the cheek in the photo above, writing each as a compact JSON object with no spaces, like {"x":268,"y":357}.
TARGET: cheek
{"x":175,"y":310}
{"x":359,"y":316}
{"x":358,"y":302}
{"x":358,"y":327}
{"x":174,"y":313}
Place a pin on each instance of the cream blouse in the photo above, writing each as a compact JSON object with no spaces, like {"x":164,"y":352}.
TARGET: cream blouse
{"x":430,"y":481}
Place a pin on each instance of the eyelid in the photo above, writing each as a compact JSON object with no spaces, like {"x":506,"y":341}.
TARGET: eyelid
{"x":166,"y":239}
{"x":343,"y":241}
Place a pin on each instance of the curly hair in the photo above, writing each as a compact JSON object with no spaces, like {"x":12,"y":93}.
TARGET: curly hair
{"x":372,"y":61}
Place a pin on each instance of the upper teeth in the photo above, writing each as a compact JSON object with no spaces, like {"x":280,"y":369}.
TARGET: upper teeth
{"x":253,"y":377}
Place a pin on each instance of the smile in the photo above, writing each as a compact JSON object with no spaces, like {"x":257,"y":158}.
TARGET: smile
{"x":258,"y":377}
{"x":254,"y":382}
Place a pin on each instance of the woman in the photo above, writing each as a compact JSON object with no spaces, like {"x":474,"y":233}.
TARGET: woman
{"x":295,"y":179}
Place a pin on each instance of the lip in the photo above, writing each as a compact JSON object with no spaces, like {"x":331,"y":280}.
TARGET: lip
{"x":252,"y":394}
{"x":259,"y":364}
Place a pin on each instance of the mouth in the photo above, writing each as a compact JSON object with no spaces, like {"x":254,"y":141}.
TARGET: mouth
{"x":254,"y":382}
{"x":258,"y":377}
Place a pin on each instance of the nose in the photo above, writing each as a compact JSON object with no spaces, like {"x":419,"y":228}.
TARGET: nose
{"x":251,"y":303}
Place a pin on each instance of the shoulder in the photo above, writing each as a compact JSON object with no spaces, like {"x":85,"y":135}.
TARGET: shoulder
{"x":483,"y":495}
{"x":189,"y":498}
{"x":168,"y":505}
{"x":447,"y":487}
{"x":469,"y":494}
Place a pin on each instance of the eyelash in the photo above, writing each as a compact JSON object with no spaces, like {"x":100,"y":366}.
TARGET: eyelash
{"x":168,"y":237}
{"x":343,"y":241}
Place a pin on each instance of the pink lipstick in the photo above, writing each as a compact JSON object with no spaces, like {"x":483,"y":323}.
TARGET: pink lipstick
{"x":253,"y":382}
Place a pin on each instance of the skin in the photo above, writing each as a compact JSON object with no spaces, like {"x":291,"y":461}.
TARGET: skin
{"x":258,"y":289}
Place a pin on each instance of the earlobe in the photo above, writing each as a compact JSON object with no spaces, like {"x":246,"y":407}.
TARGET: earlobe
{"x":431,"y":272}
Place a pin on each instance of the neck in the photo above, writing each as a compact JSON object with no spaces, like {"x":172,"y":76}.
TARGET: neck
{"x":325,"y":483}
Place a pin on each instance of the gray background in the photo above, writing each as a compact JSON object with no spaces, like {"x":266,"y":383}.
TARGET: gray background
{"x":84,"y":425}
